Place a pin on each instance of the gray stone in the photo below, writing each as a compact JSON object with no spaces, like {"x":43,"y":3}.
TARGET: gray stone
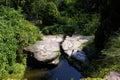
{"x":73,"y":46}
{"x":114,"y":75}
{"x":56,"y":38}
{"x":46,"y":49}
{"x":55,"y":61}
{"x":80,"y":56}
{"x":45,"y":56}
{"x":44,"y":46}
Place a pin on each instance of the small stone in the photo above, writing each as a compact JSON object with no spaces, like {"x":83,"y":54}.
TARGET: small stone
{"x":114,"y":75}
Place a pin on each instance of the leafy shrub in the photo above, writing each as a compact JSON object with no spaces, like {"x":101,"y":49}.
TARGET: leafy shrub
{"x":88,"y":23}
{"x":37,"y":9}
{"x":15,"y":34}
{"x":112,"y":48}
{"x":65,"y":25}
{"x":66,"y":21}
{"x":51,"y":14}
{"x":58,"y":29}
{"x":64,"y":4}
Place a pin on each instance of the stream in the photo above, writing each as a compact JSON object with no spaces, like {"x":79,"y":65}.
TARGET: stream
{"x":37,"y":70}
{"x":63,"y":71}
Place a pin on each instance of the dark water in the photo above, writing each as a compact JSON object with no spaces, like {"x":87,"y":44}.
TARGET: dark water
{"x":64,"y":71}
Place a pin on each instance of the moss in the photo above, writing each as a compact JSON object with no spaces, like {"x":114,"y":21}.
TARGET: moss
{"x":59,"y":54}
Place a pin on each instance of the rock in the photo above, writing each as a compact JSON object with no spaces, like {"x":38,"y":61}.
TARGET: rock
{"x":114,"y":75}
{"x":74,"y":43}
{"x":80,"y":56}
{"x":45,"y":56}
{"x":55,"y":61}
{"x":47,"y":49}
{"x":57,"y":38}
{"x":44,"y":46}
{"x":72,"y":46}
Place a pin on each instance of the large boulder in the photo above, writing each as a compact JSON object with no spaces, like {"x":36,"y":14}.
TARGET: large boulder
{"x":43,"y":46}
{"x":80,"y":56}
{"x":47,"y":49}
{"x":73,"y":45}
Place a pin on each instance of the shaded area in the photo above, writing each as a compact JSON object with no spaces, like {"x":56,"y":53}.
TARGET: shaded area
{"x":33,"y":63}
{"x":42,"y":71}
{"x":64,"y":71}
{"x":110,"y":16}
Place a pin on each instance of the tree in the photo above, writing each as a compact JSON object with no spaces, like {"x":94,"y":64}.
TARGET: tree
{"x":38,"y":8}
{"x":51,"y":14}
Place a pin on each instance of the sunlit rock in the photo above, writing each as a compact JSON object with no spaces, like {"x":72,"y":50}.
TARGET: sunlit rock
{"x":73,"y":45}
{"x":47,"y":49}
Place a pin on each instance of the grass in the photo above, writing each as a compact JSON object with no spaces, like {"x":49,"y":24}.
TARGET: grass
{"x":92,"y":78}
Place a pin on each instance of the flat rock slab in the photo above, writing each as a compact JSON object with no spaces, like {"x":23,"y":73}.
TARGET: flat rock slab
{"x":74,"y":43}
{"x":46,"y":56}
{"x":48,"y":48}
{"x":44,"y":46}
{"x":80,"y":56}
{"x":56,"y":38}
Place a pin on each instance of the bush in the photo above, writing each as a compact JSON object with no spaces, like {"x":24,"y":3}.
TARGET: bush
{"x":37,"y":9}
{"x":51,"y":14}
{"x":112,"y":48}
{"x":58,"y":29}
{"x":15,"y":34}
{"x":65,"y":25}
{"x":88,"y":23}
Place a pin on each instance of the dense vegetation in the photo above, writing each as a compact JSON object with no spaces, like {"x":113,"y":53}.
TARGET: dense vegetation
{"x":15,"y":34}
{"x":62,"y":16}
{"x":86,"y":17}
{"x":107,"y":40}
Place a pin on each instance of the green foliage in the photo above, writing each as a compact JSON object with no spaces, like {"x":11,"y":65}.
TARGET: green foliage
{"x":51,"y":14}
{"x":87,"y":6}
{"x":13,"y":3}
{"x":55,"y":29}
{"x":81,"y":23}
{"x":37,"y":9}
{"x":65,"y":26}
{"x":88,"y":23}
{"x":112,"y":47}
{"x":92,"y":79}
{"x":108,"y":60}
{"x":15,"y":34}
{"x":64,"y":4}
{"x":104,"y":66}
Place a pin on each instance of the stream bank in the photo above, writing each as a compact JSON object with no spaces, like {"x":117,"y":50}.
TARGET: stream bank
{"x":40,"y":56}
{"x":63,"y":71}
